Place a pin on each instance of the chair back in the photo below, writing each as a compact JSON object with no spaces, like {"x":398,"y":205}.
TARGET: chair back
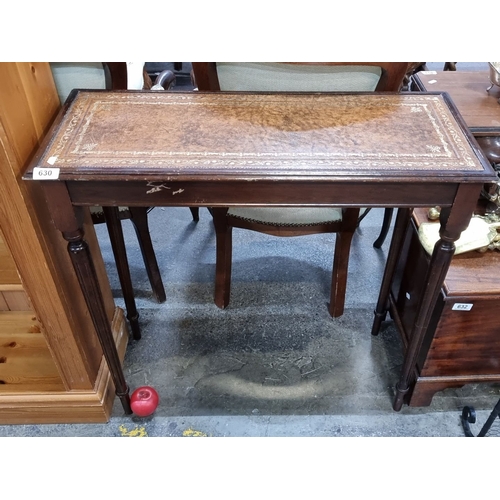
{"x":96,"y":75}
{"x":300,"y":77}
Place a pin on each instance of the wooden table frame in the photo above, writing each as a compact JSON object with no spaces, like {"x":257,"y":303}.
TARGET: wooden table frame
{"x":343,"y":181}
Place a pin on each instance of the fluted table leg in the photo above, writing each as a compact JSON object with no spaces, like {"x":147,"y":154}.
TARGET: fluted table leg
{"x":69,"y":221}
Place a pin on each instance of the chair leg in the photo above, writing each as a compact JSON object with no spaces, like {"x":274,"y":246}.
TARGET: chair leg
{"x":343,"y":240}
{"x":386,"y":224}
{"x":115,"y":231}
{"x":139,"y":219}
{"x":223,"y":259}
{"x":339,"y":275}
{"x":195,"y":212}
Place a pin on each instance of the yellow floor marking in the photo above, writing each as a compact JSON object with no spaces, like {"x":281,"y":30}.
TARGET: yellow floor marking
{"x":137,"y":432}
{"x":192,"y":433}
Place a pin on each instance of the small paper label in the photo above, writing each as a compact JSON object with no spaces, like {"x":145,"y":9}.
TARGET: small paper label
{"x":52,"y":160}
{"x":432,"y":81}
{"x":429,"y":72}
{"x":46,"y":174}
{"x":461,"y":307}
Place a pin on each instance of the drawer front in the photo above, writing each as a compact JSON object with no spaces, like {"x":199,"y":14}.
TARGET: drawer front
{"x":466,"y":342}
{"x":463,"y":337}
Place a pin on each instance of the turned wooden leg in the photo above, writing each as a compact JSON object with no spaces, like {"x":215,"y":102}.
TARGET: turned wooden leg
{"x":139,"y":219}
{"x":224,"y":250}
{"x":115,"y":231}
{"x":438,"y":267}
{"x":453,"y":221}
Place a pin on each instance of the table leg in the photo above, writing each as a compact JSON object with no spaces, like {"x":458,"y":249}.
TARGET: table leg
{"x":453,"y":221}
{"x":87,"y":277}
{"x":67,"y":220}
{"x":400,"y":227}
{"x":438,"y":267}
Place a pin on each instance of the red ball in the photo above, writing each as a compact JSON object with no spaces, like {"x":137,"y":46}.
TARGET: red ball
{"x":144,"y":401}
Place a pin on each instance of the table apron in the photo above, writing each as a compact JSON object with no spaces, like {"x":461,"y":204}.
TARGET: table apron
{"x":263,"y":193}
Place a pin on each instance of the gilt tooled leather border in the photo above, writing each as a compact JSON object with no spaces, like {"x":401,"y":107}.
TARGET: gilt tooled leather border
{"x":419,"y":134}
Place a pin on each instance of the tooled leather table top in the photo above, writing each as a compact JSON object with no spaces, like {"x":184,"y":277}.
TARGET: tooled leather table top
{"x":138,"y":133}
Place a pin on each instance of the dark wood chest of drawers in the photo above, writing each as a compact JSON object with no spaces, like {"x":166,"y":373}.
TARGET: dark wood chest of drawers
{"x":462,"y":342}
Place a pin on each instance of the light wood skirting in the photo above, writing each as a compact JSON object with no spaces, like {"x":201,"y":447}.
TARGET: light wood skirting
{"x":60,"y":406}
{"x":51,"y":358}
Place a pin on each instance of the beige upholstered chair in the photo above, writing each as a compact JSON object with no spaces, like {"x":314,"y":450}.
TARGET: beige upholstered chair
{"x":115,"y":76}
{"x":292,"y":77}
{"x":96,"y":75}
{"x":119,"y":76}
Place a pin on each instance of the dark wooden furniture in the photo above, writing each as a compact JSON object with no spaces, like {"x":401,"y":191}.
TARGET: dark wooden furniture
{"x":461,"y":344}
{"x":314,"y":77}
{"x":479,"y":108}
{"x":342,"y":222}
{"x":468,"y":91}
{"x":223,"y":149}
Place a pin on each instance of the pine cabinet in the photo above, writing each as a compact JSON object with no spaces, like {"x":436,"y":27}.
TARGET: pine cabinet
{"x":51,"y":364}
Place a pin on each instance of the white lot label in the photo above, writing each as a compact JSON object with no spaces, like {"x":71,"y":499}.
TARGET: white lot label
{"x":461,"y":307}
{"x":46,"y":174}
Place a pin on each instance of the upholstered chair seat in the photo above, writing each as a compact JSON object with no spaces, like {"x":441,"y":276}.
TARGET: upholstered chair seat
{"x":287,"y":216}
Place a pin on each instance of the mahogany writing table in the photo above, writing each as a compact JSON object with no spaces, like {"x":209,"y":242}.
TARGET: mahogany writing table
{"x":134,"y":148}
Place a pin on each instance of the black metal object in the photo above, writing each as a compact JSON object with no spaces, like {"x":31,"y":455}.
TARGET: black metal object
{"x":182,"y":73}
{"x":469,"y":417}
